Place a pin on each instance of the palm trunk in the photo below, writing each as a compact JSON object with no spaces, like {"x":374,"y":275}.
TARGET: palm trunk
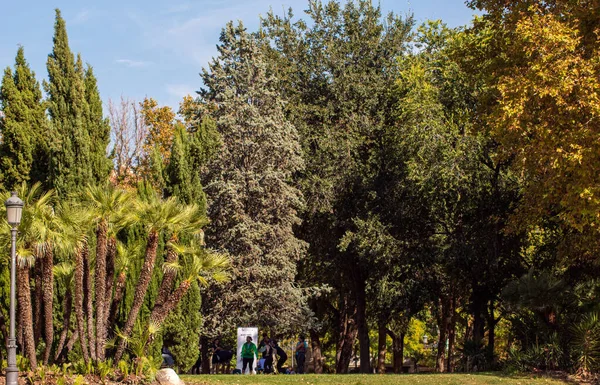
{"x":140,"y":291}
{"x":101,"y":247}
{"x":119,"y":292}
{"x":67,"y":306}
{"x":166,"y":286}
{"x":79,"y":289}
{"x":382,"y":347}
{"x":24,"y":294}
{"x":38,"y":294}
{"x":110,"y":279}
{"x":48,"y":286}
{"x":316,"y":351}
{"x":159,"y":314}
{"x":88,"y":294}
{"x":20,"y":324}
{"x":72,"y":340}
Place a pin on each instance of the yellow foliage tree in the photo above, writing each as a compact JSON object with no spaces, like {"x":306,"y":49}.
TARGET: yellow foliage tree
{"x":160,"y":122}
{"x":544,"y":105}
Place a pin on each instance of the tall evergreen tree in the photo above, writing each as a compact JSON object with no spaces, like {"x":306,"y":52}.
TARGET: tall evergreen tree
{"x":183,"y":177}
{"x":23,"y":128}
{"x":70,"y":162}
{"x":98,"y":128}
{"x":190,"y":153}
{"x":252,"y":201}
{"x":336,"y":71}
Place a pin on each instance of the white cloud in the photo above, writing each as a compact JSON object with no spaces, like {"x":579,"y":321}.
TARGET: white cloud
{"x":133,"y":63}
{"x":190,"y":34}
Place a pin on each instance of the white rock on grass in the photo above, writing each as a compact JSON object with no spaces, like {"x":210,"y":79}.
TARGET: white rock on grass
{"x":168,"y":377}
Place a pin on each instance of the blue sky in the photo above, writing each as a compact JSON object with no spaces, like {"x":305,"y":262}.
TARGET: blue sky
{"x":157,"y":48}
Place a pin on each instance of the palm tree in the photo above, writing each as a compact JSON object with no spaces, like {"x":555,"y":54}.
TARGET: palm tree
{"x":202,"y":265}
{"x":75,"y":222}
{"x":125,"y":255}
{"x":191,"y":228}
{"x":157,"y":216}
{"x":110,"y":207}
{"x":33,"y":228}
{"x":64,"y":275}
{"x":48,"y":237}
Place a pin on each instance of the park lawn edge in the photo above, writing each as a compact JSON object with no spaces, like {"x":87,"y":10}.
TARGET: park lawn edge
{"x":374,"y":379}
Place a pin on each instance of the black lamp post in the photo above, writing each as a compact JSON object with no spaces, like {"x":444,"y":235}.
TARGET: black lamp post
{"x":14,"y":209}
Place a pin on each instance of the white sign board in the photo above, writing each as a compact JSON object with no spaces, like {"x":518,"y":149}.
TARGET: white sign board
{"x":242,"y":334}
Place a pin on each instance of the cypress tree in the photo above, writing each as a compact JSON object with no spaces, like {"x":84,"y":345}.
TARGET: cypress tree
{"x":98,"y":128}
{"x":190,"y":154}
{"x":70,"y":165}
{"x":183,"y":181}
{"x":252,"y":201}
{"x":22,"y":150}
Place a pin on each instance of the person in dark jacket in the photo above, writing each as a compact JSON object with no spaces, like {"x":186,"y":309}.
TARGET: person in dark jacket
{"x":282,"y":356}
{"x":301,"y":348}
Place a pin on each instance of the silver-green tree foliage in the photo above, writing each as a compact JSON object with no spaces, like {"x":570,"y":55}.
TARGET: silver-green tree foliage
{"x":252,"y":202}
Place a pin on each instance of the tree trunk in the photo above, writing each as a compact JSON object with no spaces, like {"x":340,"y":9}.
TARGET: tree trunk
{"x":119,"y":292}
{"x":79,"y":290}
{"x":204,"y":355}
{"x":72,"y":340}
{"x":382,"y":347}
{"x":140,"y":291}
{"x":397,"y":350}
{"x":110,"y":279}
{"x":24,"y":294}
{"x":451,"y":336}
{"x":316,"y":351}
{"x":347,"y":336}
{"x":159,"y":314}
{"x":363,"y":328}
{"x":491,"y":333}
{"x":101,"y":247}
{"x":443,"y":319}
{"x":67,"y":306}
{"x":478,"y":310}
{"x":88,"y":294}
{"x":166,"y":285}
{"x":38,"y":294}
{"x":48,"y":286}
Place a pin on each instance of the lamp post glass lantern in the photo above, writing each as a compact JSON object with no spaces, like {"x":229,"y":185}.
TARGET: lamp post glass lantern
{"x":14,"y":209}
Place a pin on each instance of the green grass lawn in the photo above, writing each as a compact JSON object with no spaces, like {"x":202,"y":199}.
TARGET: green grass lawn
{"x":361,"y":379}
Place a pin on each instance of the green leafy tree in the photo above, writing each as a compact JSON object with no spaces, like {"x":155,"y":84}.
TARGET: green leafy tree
{"x":336,"y":71}
{"x":71,"y":166}
{"x":23,"y":129}
{"x":181,"y":330}
{"x":98,"y":128}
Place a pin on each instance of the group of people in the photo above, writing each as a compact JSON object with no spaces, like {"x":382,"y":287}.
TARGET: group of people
{"x":265,"y":353}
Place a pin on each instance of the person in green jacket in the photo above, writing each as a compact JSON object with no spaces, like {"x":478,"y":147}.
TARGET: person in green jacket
{"x":249,"y":351}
